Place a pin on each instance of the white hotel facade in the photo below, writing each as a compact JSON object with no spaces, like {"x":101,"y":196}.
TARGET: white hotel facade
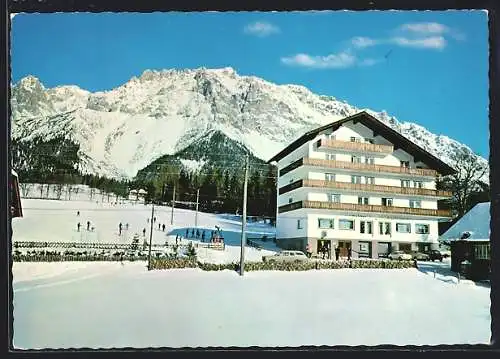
{"x":356,"y":183}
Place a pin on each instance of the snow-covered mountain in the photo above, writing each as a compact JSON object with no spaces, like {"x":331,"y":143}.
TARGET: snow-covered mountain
{"x":164,"y":112}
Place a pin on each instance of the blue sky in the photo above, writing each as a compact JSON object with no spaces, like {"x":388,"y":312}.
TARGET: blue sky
{"x":428,"y":67}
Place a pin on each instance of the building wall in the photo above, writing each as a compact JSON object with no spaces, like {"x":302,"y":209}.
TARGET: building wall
{"x":287,"y":222}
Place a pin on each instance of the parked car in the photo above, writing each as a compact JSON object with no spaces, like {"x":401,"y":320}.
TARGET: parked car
{"x":419,"y":256}
{"x":286,"y":256}
{"x":435,"y":254}
{"x":400,"y":255}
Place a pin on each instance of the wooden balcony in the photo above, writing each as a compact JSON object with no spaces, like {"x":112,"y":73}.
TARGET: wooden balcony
{"x":366,"y":208}
{"x":406,"y":191}
{"x":363,"y":167}
{"x":354,"y":146}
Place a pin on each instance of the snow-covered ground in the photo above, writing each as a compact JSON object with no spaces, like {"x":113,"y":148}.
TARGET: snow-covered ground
{"x":105,"y":305}
{"x":56,"y":221}
{"x":108,"y":304}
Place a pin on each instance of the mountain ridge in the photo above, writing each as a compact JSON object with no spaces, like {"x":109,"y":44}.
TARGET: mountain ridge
{"x":161,"y":112}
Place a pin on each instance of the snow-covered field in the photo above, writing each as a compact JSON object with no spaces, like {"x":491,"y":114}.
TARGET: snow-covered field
{"x":107,"y":304}
{"x":56,"y":221}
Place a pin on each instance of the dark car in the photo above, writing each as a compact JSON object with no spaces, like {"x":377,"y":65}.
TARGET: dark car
{"x":435,"y":254}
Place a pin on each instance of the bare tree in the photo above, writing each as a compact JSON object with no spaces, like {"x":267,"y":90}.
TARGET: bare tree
{"x":465,"y":182}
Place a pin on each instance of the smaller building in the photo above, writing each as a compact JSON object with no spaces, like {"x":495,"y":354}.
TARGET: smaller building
{"x":469,"y":240}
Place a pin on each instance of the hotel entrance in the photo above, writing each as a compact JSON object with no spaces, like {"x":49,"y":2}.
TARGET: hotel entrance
{"x":344,"y":247}
{"x":324,"y":248}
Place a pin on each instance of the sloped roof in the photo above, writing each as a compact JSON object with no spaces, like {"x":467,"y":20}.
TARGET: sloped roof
{"x":476,"y":222}
{"x":380,"y":128}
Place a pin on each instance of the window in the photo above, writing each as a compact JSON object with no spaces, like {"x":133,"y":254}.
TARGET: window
{"x":418,"y":184}
{"x":387,"y":202}
{"x":405,"y":183}
{"x":482,"y":251}
{"x":362,"y":200}
{"x":330,"y":156}
{"x":290,"y":200}
{"x":365,"y":227}
{"x":329,"y":176}
{"x":415,"y":204}
{"x":355,"y":139}
{"x":369,"y":140}
{"x":370,"y":180}
{"x":355,"y":159}
{"x":355,"y":179}
{"x":405,"y":164}
{"x":299,"y":224}
{"x":369,"y":160}
{"x":346,"y":224}
{"x":384,"y":228}
{"x":334,"y":197}
{"x":422,"y":228}
{"x":403,"y":227}
{"x":325,"y":223}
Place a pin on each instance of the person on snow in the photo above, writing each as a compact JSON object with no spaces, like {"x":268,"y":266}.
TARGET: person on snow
{"x":144,"y":232}
{"x":192,"y":233}
{"x":126,"y":226}
{"x":159,"y":226}
{"x":197,"y":233}
{"x":337,"y":253}
{"x":163,"y":227}
{"x":203,"y":236}
{"x":120,"y":229}
{"x":88,"y":225}
{"x":78,"y":226}
{"x":78,"y":213}
{"x":349,"y":254}
{"x":154,"y":219}
{"x":187,"y":232}
{"x":147,"y":219}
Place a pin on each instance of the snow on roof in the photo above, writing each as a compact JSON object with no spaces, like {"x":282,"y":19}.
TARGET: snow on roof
{"x":142,"y":191}
{"x":14,"y":173}
{"x":476,"y":222}
{"x":133,"y":191}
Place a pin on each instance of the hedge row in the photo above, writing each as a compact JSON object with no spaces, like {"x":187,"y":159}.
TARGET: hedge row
{"x":281,"y":266}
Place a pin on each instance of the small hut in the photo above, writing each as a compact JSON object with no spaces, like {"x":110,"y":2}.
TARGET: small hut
{"x":469,"y":240}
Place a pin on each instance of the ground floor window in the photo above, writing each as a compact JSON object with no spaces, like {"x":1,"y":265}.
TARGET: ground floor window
{"x":383,"y":248}
{"x":365,"y":249}
{"x":325,"y":223}
{"x":384,"y":228}
{"x":299,"y":224}
{"x":421,"y":228}
{"x":405,"y":247}
{"x":403,"y":227}
{"x":365,"y":227}
{"x":423,"y":247}
{"x":346,"y":224}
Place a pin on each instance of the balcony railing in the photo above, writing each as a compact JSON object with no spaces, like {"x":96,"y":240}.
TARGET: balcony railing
{"x":408,"y":191}
{"x":424,"y":172}
{"x":355,"y":146}
{"x":365,"y":208}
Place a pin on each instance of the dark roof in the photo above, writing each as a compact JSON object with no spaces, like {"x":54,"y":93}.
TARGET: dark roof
{"x":381,"y":129}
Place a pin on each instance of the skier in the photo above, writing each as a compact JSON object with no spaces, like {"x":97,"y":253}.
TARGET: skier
{"x":187,"y":232}
{"x":154,"y":219}
{"x":88,"y":225}
{"x":197,"y":233}
{"x":203,"y":236}
{"x":163,"y":227}
{"x":78,"y":226}
{"x":144,"y":232}
{"x":78,"y":213}
{"x":120,"y":229}
{"x":159,"y":225}
{"x":126,"y":226}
